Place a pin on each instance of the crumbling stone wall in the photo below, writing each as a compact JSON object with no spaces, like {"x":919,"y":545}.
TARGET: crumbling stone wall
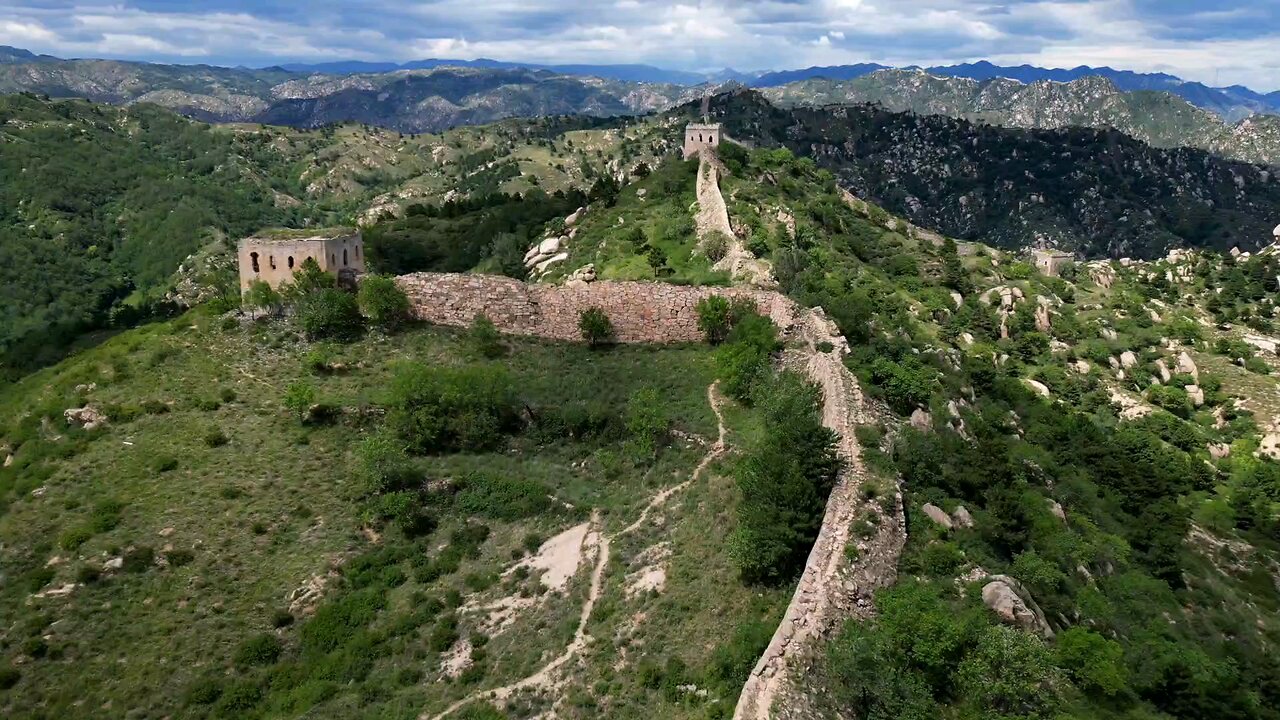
{"x":833,"y":586}
{"x":640,"y":312}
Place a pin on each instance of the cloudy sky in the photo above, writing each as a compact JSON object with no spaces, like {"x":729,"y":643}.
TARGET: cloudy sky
{"x":1214,"y":41}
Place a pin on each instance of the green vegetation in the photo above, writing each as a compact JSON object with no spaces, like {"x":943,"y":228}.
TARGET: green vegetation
{"x":217,"y":635}
{"x":596,"y":327}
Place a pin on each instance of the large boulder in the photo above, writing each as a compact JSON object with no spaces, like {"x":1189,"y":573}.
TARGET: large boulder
{"x":1040,"y":388}
{"x":921,"y":419}
{"x":1013,"y":605}
{"x":1187,"y":366}
{"x":1196,"y":393}
{"x":961,"y":517}
{"x":937,"y":515}
{"x":1128,"y":360}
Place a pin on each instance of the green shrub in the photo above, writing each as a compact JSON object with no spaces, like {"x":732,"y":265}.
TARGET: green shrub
{"x":179,"y":558}
{"x":647,"y":421}
{"x":239,"y":699}
{"x":714,"y":319}
{"x":164,"y":463}
{"x":281,"y":618}
{"x":502,"y":498}
{"x":715,"y":246}
{"x":595,"y":326}
{"x":35,"y":647}
{"x":484,"y":337}
{"x":88,"y":574}
{"x":155,"y":407}
{"x":227,"y":395}
{"x":784,"y":480}
{"x":383,"y":302}
{"x":216,"y":438}
{"x":382,"y":464}
{"x":73,"y":538}
{"x":138,"y":559}
{"x":299,"y":397}
{"x":435,"y":409}
{"x":261,"y":296}
{"x":261,"y":649}
{"x":907,"y":383}
{"x":204,"y":691}
{"x":330,"y":313}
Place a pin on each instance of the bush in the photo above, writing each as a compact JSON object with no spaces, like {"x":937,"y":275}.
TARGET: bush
{"x":205,"y":691}
{"x":299,"y":397}
{"x":330,"y":313}
{"x":647,"y":421}
{"x":907,"y":384}
{"x":261,"y":296}
{"x":715,"y":247}
{"x":714,"y":319}
{"x":383,"y":302}
{"x":502,"y":498}
{"x":382,"y":465}
{"x":595,"y":326}
{"x":485,"y":339}
{"x":179,"y":558}
{"x":138,"y":559}
{"x":73,"y":538}
{"x":261,"y":649}
{"x":216,"y":438}
{"x":436,"y":409}
{"x":281,"y":618}
{"x":164,"y":463}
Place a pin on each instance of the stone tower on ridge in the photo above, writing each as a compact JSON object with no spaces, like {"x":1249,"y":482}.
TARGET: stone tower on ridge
{"x":701,"y":135}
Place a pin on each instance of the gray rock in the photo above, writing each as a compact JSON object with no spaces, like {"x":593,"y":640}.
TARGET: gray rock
{"x":937,"y":515}
{"x":1128,"y":360}
{"x":921,"y":420}
{"x":962,"y":517}
{"x":1002,"y":596}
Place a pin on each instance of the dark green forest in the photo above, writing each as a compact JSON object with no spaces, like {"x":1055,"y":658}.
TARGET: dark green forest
{"x":98,"y":202}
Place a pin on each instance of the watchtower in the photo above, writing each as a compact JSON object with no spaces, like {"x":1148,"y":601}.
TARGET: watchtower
{"x":273,"y":256}
{"x":1049,"y":261}
{"x":705,"y":134}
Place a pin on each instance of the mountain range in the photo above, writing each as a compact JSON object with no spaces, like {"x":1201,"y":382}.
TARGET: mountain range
{"x":1155,"y":117}
{"x":1232,"y":103}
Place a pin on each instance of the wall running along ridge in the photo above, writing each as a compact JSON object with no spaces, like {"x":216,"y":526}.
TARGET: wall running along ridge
{"x":640,"y":312}
{"x":831,"y":588}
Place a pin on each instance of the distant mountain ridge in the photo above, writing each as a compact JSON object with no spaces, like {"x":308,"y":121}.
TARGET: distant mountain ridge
{"x":1158,"y":118}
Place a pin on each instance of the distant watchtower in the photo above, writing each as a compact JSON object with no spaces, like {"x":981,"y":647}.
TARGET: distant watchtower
{"x":701,"y":135}
{"x":274,"y":255}
{"x":1050,"y":262}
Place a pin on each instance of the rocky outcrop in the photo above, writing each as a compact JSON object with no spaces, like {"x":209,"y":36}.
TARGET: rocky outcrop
{"x":86,"y":417}
{"x":1011,"y":602}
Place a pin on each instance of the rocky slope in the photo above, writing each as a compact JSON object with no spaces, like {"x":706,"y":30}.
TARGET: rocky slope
{"x":1095,"y":192}
{"x":1158,"y":118}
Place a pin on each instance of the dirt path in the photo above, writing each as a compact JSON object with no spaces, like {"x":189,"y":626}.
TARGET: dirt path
{"x":831,"y":587}
{"x":545,"y":677}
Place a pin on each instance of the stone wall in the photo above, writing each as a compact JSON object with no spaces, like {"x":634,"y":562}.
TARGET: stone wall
{"x":640,"y":312}
{"x":831,"y":588}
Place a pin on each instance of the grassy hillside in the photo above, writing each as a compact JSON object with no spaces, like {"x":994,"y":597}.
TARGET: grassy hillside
{"x":181,"y":531}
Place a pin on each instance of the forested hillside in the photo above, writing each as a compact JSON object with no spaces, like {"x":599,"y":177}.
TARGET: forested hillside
{"x":97,"y":202}
{"x":1096,"y":192}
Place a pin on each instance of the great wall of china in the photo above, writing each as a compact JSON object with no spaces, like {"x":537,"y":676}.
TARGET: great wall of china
{"x":833,"y":585}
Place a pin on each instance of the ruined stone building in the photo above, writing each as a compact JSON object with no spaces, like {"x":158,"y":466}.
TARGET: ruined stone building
{"x":700,"y":135}
{"x":1050,"y":262}
{"x":274,"y":255}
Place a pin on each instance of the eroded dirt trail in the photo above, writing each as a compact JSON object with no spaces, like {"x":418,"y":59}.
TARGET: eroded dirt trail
{"x":546,"y":677}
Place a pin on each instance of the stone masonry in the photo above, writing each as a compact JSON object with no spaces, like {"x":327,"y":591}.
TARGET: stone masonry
{"x":641,"y":312}
{"x":832,"y":587}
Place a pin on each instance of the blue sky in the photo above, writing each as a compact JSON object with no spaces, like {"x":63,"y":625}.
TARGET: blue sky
{"x":1214,"y":41}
